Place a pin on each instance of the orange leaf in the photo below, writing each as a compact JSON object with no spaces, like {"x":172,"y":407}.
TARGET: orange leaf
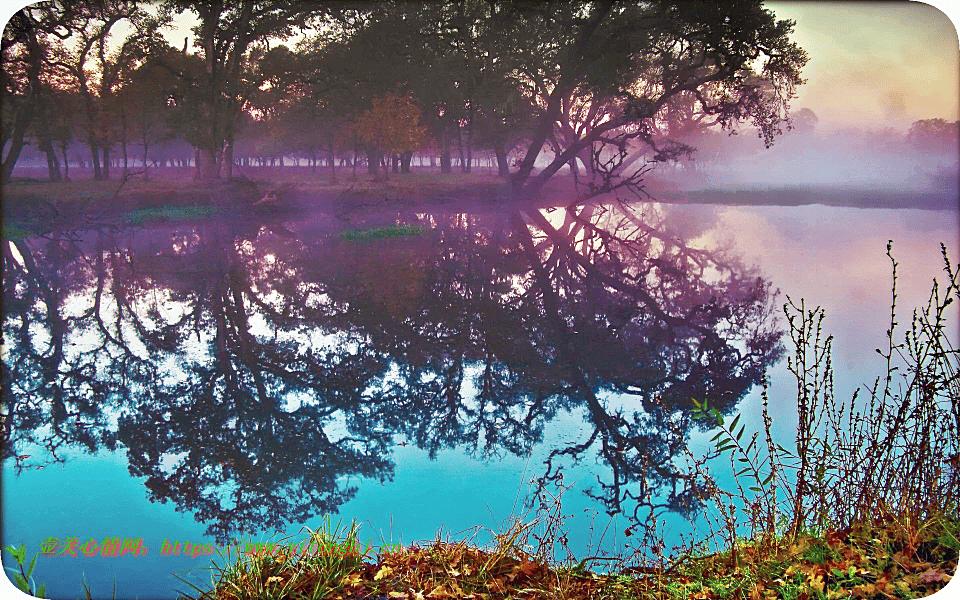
{"x":440,"y":592}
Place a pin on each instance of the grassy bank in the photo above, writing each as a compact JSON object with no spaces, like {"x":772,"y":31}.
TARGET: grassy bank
{"x":885,"y":558}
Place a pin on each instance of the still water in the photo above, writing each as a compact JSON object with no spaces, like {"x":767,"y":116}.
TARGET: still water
{"x":416,"y":371}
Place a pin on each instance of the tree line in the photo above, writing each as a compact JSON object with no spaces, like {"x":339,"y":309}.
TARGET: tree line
{"x":593,"y":86}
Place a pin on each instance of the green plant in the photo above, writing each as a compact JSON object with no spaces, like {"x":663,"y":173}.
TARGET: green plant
{"x":284,"y":574}
{"x":882,"y":452}
{"x":24,"y":579}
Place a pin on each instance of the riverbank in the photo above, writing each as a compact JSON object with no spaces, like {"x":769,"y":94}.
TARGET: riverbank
{"x":890,"y":557}
{"x":270,"y":190}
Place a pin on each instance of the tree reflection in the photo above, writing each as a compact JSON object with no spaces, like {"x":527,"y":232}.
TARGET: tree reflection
{"x":252,"y":373}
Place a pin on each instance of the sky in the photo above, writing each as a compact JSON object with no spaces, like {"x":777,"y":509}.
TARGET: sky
{"x":873,"y":65}
{"x":876,"y":64}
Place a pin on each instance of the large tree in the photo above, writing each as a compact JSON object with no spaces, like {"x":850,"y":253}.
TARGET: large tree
{"x":26,"y":54}
{"x":225,"y":33}
{"x":95,"y":72}
{"x":623,"y":62}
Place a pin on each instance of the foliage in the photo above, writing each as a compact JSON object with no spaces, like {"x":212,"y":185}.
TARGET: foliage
{"x":934,"y":135}
{"x":392,"y":125}
{"x":893,"y":454}
{"x":381,"y":233}
{"x":886,"y":558}
{"x":24,"y":578}
{"x":287,"y":574}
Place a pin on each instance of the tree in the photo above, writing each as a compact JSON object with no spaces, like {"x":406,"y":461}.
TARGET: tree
{"x":392,"y":126}
{"x":227,"y":30}
{"x":934,"y":135}
{"x":146,"y":98}
{"x":96,"y":74}
{"x":625,"y":62}
{"x":804,"y":121}
{"x":25,"y":52}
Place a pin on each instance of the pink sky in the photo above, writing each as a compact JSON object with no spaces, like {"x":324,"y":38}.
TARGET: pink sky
{"x":875,"y":64}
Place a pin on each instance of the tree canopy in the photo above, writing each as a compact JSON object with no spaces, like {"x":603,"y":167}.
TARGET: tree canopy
{"x":584,"y":84}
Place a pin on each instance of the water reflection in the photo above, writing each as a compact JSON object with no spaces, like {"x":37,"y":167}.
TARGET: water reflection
{"x":252,"y":372}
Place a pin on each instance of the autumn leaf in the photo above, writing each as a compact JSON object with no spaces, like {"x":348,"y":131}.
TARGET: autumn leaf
{"x":528,"y":567}
{"x":383,"y":573}
{"x":440,"y":592}
{"x":932,"y":575}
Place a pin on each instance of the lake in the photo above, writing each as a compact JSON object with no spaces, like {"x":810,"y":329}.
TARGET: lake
{"x":418,"y":371}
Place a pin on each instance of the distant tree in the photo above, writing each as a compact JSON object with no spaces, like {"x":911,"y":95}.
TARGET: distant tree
{"x":55,"y":127}
{"x":147,"y":98}
{"x":934,"y":135}
{"x":804,"y":121}
{"x":392,"y":126}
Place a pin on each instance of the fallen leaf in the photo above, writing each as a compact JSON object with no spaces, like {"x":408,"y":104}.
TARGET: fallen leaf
{"x":933,"y":574}
{"x":398,"y":595}
{"x":528,"y":567}
{"x":383,"y":573}
{"x":440,"y":592}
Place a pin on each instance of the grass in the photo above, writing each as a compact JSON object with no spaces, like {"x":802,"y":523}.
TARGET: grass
{"x":362,"y":235}
{"x":886,"y":558}
{"x":168,"y":213}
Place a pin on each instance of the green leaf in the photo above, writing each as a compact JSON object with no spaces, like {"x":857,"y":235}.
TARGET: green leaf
{"x":740,"y":435}
{"x":733,"y":426}
{"x":33,"y":563}
{"x":755,"y":489}
{"x":42,"y":591}
{"x":742,"y":471}
{"x":21,"y":582}
{"x":768,"y":479}
{"x":714,"y":438}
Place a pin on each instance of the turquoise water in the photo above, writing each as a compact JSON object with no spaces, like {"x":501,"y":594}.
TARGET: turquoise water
{"x":243,"y":379}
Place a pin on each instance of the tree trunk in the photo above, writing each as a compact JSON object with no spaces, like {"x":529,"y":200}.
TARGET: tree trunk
{"x":469,"y":142}
{"x":106,"y":161}
{"x":445,"y":166}
{"x":463,"y":167}
{"x":405,"y":160}
{"x":146,"y":169}
{"x":53,"y":165}
{"x":95,"y":155}
{"x":373,"y":162}
{"x":333,"y":162}
{"x":206,"y":164}
{"x":66,"y":161}
{"x":226,"y":164}
{"x":502,"y":165}
{"x":395,"y":163}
